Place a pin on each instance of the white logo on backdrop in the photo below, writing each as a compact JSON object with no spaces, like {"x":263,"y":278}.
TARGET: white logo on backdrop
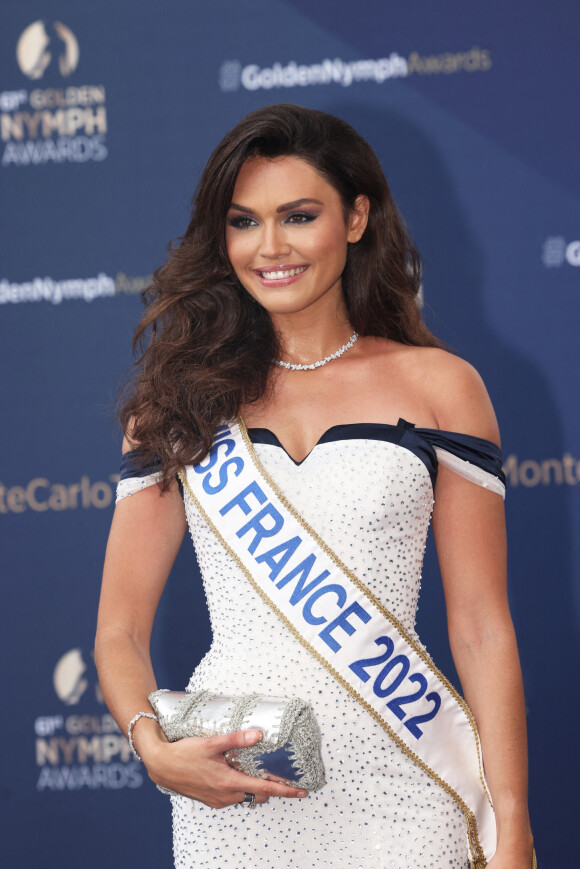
{"x":49,"y":290}
{"x":229,"y":75}
{"x":556,"y":251}
{"x":36,"y":49}
{"x":252,"y":77}
{"x":47,"y":125}
{"x":233,"y":75}
{"x":81,"y":748}
{"x":69,"y":679}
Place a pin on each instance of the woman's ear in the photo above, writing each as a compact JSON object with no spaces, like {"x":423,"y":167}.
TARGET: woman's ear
{"x":358,"y":218}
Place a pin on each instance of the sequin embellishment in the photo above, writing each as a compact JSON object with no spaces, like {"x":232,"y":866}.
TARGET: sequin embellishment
{"x":377,"y":809}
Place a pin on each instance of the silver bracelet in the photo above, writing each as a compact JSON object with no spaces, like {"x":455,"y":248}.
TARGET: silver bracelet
{"x":132,"y":724}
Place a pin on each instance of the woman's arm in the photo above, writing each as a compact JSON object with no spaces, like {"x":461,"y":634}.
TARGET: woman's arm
{"x":146,"y":533}
{"x":469,"y":529}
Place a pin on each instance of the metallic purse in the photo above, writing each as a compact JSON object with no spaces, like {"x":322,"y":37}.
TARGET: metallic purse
{"x":290,"y":749}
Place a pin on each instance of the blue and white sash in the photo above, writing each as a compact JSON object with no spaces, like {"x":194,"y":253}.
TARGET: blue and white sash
{"x":342,"y":624}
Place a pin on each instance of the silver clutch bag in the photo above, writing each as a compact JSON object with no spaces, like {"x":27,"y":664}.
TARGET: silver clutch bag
{"x":290,"y":749}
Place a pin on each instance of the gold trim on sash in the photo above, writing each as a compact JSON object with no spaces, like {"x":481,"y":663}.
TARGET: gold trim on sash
{"x":479,"y":861}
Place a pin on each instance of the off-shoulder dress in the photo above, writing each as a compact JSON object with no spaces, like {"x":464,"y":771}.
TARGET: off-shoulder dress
{"x":368,"y":491}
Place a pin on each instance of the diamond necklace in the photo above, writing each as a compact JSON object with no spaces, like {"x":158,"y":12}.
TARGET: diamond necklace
{"x":294,"y":367}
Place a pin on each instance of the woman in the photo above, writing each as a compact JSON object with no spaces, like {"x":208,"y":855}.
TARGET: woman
{"x":291,"y":303}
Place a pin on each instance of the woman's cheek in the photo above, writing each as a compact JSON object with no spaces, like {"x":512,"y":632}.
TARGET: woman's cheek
{"x":240,"y":250}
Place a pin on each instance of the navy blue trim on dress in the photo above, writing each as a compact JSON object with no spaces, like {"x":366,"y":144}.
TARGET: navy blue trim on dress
{"x":420,"y":441}
{"x":131,"y":465}
{"x":372,"y":431}
{"x":478,"y":451}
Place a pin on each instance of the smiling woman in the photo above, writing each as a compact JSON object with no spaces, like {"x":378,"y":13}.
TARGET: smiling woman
{"x":229,"y":336}
{"x":289,"y":383}
{"x":290,"y":255}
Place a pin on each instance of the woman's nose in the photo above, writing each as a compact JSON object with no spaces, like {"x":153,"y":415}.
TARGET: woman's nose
{"x":274,"y":242}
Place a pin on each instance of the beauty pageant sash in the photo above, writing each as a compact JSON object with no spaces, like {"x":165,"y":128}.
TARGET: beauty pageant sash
{"x":343,"y":626}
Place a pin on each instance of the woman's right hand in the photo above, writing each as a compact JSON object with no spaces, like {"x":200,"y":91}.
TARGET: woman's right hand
{"x":146,"y":534}
{"x":197,"y":768}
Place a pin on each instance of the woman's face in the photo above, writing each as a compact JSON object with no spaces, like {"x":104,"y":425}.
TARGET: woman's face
{"x":286,"y":234}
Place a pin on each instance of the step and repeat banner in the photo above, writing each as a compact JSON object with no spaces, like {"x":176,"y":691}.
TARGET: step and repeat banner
{"x":108,"y":113}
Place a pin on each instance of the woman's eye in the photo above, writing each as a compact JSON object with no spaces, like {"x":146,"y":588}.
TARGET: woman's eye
{"x":241,"y":222}
{"x":300,"y":217}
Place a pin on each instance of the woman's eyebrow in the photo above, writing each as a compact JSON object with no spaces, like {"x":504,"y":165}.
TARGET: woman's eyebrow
{"x":297,"y":203}
{"x":241,"y":208}
{"x":286,"y":207}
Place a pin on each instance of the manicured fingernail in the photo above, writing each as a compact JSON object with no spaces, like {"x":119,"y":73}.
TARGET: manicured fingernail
{"x":253,"y":736}
{"x":302,"y":793}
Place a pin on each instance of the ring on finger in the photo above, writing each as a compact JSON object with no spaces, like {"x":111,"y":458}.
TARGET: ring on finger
{"x":249,"y":801}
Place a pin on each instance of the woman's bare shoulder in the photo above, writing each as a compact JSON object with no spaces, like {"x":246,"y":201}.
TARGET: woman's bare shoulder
{"x":454,"y":390}
{"x":431,"y":364}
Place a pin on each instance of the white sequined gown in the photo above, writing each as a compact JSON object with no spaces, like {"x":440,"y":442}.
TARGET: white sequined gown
{"x":370,"y":498}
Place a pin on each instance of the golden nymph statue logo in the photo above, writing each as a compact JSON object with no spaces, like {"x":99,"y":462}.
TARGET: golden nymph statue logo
{"x":37,"y":49}
{"x":52,"y":122}
{"x":79,"y":746}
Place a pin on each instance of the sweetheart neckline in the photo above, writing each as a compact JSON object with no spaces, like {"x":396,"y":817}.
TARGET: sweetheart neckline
{"x":424,"y":443}
{"x":402,"y":423}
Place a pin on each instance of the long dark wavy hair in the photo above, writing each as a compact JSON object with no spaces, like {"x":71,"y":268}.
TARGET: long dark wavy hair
{"x":204,"y":345}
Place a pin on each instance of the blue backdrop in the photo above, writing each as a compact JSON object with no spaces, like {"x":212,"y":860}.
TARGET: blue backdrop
{"x":107,"y":115}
